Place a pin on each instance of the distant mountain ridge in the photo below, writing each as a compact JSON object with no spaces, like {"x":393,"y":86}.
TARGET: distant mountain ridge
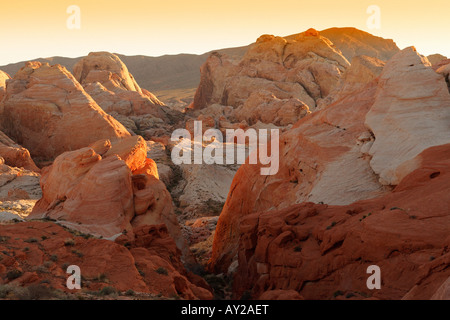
{"x":175,"y":77}
{"x":166,"y":72}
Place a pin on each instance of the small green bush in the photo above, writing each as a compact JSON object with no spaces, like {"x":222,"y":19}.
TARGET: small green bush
{"x":162,"y":270}
{"x":106,"y":291}
{"x":338,"y":293}
{"x":129,"y":293}
{"x":69,"y":242}
{"x":14,"y":274}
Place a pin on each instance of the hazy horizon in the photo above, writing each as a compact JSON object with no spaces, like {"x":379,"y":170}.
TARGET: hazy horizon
{"x":157,"y":28}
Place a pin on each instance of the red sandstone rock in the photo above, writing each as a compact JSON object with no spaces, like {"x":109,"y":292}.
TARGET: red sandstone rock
{"x":107,"y":79}
{"x":47,"y":111}
{"x":320,"y":161}
{"x":265,"y":107}
{"x":305,"y":67}
{"x":330,"y":156}
{"x":323,"y":252}
{"x":3,"y":77}
{"x":107,"y":190}
{"x":408,"y":86}
{"x":280,"y":295}
{"x":353,"y":42}
{"x":15,"y":155}
{"x":50,"y":249}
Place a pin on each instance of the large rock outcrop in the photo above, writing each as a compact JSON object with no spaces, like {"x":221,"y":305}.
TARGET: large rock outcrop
{"x":320,"y":161}
{"x":107,"y":79}
{"x":3,"y":77}
{"x":333,"y":157}
{"x":108,"y":190}
{"x":411,"y":112}
{"x":15,"y":155}
{"x":149,"y":266}
{"x":353,"y":42}
{"x":435,"y":59}
{"x":47,"y":111}
{"x":364,"y":69}
{"x":106,"y":68}
{"x":305,"y":67}
{"x":323,"y":252}
{"x":19,"y":192}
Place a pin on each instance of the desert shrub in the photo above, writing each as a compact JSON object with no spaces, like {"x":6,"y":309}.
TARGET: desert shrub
{"x":35,"y":292}
{"x":31,"y":240}
{"x":102,"y":277}
{"x":106,"y":291}
{"x":129,"y":293}
{"x":69,"y":242}
{"x":338,"y":293}
{"x":14,"y":274}
{"x":162,"y":270}
{"x":78,"y":253}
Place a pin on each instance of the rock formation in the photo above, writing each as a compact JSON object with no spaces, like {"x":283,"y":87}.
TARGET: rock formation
{"x":107,"y":80}
{"x":436,"y":58}
{"x":265,"y":107}
{"x":353,"y":42}
{"x":107,"y":189}
{"x":349,"y":151}
{"x":305,"y":67}
{"x":3,"y":77}
{"x":15,"y":155}
{"x":407,"y":86}
{"x":443,"y":68}
{"x":363,"y":175}
{"x":32,"y":252}
{"x":323,"y":252}
{"x":19,"y":192}
{"x":363,"y":70}
{"x":47,"y":111}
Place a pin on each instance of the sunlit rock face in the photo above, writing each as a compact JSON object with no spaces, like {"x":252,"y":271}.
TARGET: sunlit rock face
{"x":3,"y":77}
{"x":353,"y":43}
{"x":26,"y":246}
{"x":305,"y":67}
{"x":281,"y":79}
{"x":107,"y":80}
{"x":108,"y":189}
{"x":359,"y":147}
{"x":410,"y":114}
{"x":48,"y":112}
{"x":323,"y":252}
{"x":15,"y":155}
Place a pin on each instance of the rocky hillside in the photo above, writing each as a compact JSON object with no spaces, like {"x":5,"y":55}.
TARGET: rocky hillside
{"x":377,"y":142}
{"x":175,"y":77}
{"x":87,"y":175}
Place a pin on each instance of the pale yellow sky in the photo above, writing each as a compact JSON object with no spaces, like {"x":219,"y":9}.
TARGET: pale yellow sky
{"x":33,"y":29}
